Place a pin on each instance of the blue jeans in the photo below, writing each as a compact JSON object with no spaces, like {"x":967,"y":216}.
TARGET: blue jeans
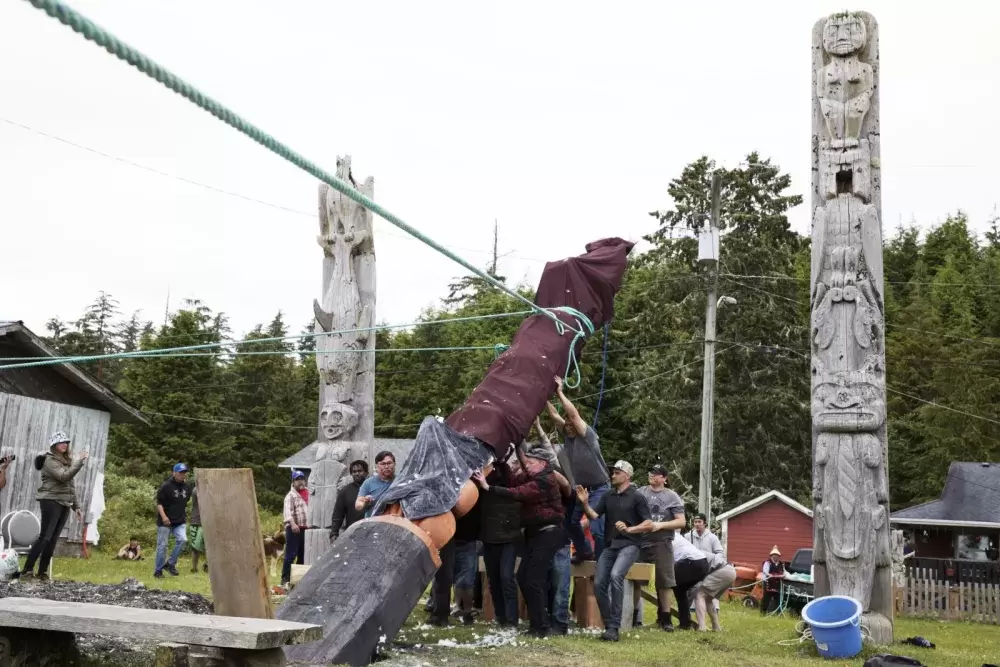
{"x":295,"y":552}
{"x":583,"y":550}
{"x":609,"y":581}
{"x":163,"y":538}
{"x":466,"y":564}
{"x":500,"y":560}
{"x":559,"y":573}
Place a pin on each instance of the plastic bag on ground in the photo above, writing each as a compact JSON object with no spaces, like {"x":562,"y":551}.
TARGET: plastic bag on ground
{"x":440,"y":463}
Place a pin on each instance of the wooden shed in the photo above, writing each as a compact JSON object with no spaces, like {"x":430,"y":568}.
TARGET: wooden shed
{"x":752,"y":529}
{"x":35,"y":403}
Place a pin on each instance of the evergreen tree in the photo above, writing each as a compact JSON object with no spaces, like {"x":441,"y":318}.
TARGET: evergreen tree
{"x":184,"y":419}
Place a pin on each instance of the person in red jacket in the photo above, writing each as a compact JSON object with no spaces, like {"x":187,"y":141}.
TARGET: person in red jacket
{"x":540,"y":490}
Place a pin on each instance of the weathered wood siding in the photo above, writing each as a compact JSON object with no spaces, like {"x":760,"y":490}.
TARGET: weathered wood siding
{"x":25,"y":427}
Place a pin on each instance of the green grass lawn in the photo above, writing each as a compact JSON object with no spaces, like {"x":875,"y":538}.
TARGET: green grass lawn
{"x":104,"y":569}
{"x":747,"y":640}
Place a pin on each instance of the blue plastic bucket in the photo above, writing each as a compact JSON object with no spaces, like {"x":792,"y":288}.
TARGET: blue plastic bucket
{"x":836,"y":625}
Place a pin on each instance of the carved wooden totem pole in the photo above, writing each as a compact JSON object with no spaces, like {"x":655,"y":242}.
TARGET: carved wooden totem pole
{"x":850,"y":453}
{"x":346,"y":361}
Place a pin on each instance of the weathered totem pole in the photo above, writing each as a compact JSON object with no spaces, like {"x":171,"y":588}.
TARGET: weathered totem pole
{"x":850,"y":452}
{"x":346,"y":361}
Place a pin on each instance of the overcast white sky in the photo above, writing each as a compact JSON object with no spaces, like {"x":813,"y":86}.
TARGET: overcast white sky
{"x":563,"y":120}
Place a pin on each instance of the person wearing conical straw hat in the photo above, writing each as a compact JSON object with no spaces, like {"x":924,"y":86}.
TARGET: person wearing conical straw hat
{"x":774,"y":572}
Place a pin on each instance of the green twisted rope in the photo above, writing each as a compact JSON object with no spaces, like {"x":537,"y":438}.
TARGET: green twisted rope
{"x":251,"y":341}
{"x":283,"y":353}
{"x":93,"y":32}
{"x":586,"y":328}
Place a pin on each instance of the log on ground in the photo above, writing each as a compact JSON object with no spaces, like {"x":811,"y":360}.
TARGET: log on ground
{"x":361,"y":591}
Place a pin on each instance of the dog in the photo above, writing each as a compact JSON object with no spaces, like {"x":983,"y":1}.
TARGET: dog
{"x":274,"y":547}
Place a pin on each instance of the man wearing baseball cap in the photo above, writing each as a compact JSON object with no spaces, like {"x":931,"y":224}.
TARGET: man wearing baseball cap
{"x":293,"y":512}
{"x":171,"y":517}
{"x":627,"y":518}
{"x":667,"y":511}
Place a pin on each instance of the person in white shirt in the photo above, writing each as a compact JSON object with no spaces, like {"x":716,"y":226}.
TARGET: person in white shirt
{"x":704,"y":539}
{"x":690,"y":567}
{"x":720,"y":577}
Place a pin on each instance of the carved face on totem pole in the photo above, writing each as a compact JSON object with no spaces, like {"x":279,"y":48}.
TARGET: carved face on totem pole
{"x":337,"y":420}
{"x":844,"y":34}
{"x":844,"y":407}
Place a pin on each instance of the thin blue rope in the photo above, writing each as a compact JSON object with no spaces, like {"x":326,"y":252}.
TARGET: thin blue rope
{"x":604,"y":369}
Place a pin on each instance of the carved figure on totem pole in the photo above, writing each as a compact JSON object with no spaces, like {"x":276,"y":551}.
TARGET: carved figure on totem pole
{"x":328,"y":472}
{"x":344,"y":360}
{"x":345,"y":231}
{"x":850,"y":475}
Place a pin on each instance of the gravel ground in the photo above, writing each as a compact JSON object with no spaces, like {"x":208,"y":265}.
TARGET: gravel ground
{"x":100,"y":649}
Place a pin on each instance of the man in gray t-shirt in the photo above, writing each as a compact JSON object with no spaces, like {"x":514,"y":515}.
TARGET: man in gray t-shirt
{"x":667,"y":511}
{"x":582,"y":456}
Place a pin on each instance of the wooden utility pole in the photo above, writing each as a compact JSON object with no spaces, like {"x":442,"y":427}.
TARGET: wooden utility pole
{"x":711,"y":260}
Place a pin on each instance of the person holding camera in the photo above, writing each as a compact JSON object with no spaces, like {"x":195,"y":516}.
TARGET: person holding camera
{"x":56,"y":497}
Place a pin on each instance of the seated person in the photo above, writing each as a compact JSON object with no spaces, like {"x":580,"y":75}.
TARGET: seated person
{"x":131,"y":551}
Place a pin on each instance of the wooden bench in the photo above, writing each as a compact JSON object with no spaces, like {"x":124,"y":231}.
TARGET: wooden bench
{"x":193,"y":640}
{"x":588,"y":614}
{"x":585,"y":608}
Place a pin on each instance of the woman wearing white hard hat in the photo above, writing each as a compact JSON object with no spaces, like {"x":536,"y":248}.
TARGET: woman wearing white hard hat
{"x":56,"y":497}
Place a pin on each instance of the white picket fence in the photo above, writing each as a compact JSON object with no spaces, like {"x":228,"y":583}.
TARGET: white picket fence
{"x":928,"y":597}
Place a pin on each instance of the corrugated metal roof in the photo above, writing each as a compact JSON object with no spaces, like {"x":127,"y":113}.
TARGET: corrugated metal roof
{"x":971,"y":494}
{"x":400,"y":447}
{"x":120,"y":409}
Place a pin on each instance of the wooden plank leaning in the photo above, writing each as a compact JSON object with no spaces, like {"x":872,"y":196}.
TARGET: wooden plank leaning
{"x":233,"y":542}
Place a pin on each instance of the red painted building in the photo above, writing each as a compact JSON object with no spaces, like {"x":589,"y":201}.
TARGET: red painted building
{"x":752,"y":529}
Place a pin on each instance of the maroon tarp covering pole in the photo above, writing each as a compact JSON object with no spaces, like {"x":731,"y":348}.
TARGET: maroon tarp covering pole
{"x":363,"y":591}
{"x":500,"y":411}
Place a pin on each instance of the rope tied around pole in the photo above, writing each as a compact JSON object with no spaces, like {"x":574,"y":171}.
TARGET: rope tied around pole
{"x":584,"y":329}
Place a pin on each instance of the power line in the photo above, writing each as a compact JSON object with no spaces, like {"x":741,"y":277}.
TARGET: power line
{"x":226,"y":421}
{"x":891,"y":282}
{"x":223,"y":191}
{"x":422,"y":369}
{"x":238,"y":423}
{"x":651,"y":377}
{"x":944,"y":407}
{"x":256,"y":341}
{"x":981,"y":341}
